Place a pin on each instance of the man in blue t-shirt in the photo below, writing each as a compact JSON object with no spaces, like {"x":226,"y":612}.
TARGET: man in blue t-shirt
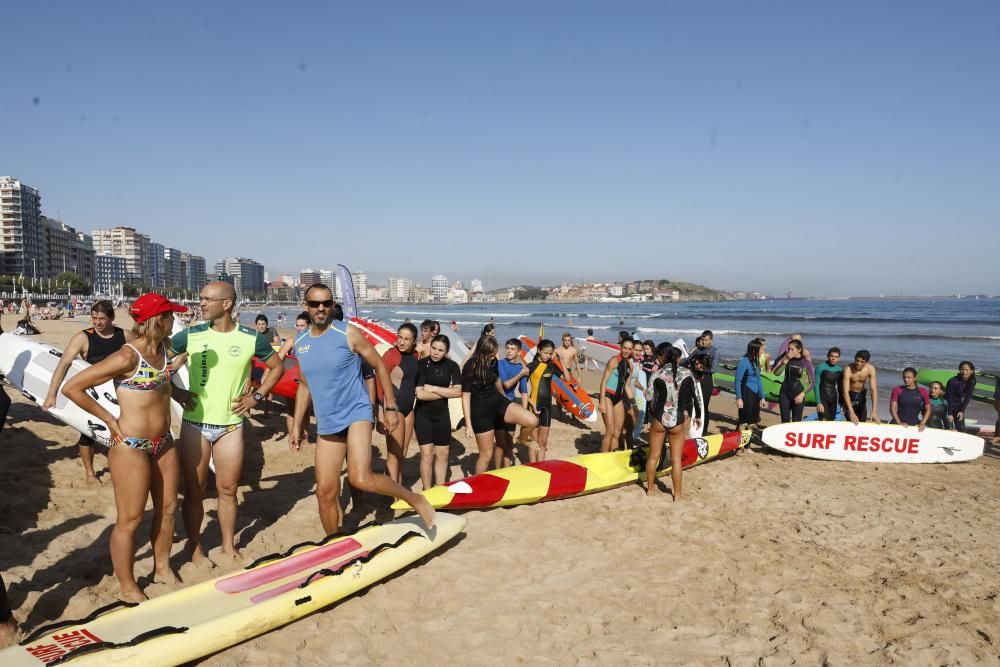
{"x":514,"y":375}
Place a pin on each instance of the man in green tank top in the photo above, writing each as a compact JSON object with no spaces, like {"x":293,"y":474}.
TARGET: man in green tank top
{"x":219,"y":355}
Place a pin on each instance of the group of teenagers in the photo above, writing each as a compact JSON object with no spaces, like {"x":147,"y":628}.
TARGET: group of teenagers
{"x":843,"y":391}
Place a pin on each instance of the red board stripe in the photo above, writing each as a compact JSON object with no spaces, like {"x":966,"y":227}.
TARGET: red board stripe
{"x":486,"y":490}
{"x":730,"y":442}
{"x":565,"y":478}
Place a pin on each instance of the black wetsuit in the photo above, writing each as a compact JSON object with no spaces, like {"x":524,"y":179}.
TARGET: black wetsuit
{"x":623,"y":370}
{"x":488,"y":406}
{"x":828,"y":389}
{"x":939,"y":414}
{"x":540,"y":376}
{"x":98,"y":349}
{"x":791,"y":387}
{"x":432,"y":419}
{"x":5,"y":611}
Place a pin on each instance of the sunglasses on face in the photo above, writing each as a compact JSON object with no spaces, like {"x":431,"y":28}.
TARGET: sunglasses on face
{"x":316,"y":304}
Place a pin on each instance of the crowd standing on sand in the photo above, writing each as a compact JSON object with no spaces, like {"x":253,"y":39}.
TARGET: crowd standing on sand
{"x":648,"y":391}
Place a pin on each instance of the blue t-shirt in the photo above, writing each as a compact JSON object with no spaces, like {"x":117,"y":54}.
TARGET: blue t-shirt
{"x":333,"y":373}
{"x":507,"y":370}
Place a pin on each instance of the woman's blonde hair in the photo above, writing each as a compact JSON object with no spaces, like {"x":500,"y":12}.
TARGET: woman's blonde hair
{"x":146,"y":329}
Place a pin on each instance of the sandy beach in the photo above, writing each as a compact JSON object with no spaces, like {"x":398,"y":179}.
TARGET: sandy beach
{"x":772,"y":559}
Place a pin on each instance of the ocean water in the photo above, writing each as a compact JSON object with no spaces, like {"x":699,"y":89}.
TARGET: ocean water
{"x":897,"y":333}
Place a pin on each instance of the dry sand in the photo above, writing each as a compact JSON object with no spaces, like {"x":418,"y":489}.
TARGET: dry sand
{"x":772,"y":560}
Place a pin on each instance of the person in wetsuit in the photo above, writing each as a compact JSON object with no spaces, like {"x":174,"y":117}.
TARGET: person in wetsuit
{"x":612,"y":401}
{"x":484,"y":404}
{"x":909,"y":403}
{"x":92,"y":345}
{"x":541,"y":370}
{"x":828,"y":376}
{"x":958,"y":392}
{"x":940,"y":416}
{"x":401,"y":362}
{"x":795,"y":385}
{"x":438,"y":379}
{"x":673,"y":399}
{"x":748,"y":386}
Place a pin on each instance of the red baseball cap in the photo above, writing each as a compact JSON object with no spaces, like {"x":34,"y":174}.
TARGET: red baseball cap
{"x":151,"y":305}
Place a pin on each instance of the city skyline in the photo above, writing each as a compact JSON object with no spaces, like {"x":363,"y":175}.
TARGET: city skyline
{"x":736,"y":146}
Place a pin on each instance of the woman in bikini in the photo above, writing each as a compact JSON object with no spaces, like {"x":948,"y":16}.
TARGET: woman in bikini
{"x":141,"y":456}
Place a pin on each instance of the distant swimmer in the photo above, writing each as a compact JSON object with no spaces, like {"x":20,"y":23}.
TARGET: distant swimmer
{"x":569,"y":357}
{"x":92,"y":345}
{"x":828,"y":376}
{"x":854,"y":391}
{"x":621,"y":320}
{"x":910,"y":404}
{"x":330,"y":356}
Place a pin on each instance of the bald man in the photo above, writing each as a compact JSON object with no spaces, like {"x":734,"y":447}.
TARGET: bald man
{"x":220,"y":354}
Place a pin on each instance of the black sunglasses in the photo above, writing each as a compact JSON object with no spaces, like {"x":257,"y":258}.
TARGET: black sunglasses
{"x":316,"y":304}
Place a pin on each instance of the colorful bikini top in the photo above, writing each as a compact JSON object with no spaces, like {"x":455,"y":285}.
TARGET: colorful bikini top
{"x":147,"y":378}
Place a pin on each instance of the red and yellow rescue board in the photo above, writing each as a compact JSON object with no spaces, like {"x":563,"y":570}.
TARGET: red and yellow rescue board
{"x":567,"y":478}
{"x":195,"y":621}
{"x":872,"y":443}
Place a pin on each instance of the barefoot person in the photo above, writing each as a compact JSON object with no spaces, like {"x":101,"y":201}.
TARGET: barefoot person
{"x":301,"y":324}
{"x":828,"y":375}
{"x":485,"y":406}
{"x":401,"y":363}
{"x":438,"y":379}
{"x":220,"y":353}
{"x":330,"y":355}
{"x":748,"y":386}
{"x":855,"y":393}
{"x":672,"y":399}
{"x":514,"y":379}
{"x":958,"y":393}
{"x":612,"y":396}
{"x":141,"y":456}
{"x":92,"y":345}
{"x":569,"y":357}
{"x":795,"y":385}
{"x":541,"y":370}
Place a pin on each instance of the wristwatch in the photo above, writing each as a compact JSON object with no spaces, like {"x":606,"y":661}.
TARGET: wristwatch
{"x":257,"y":396}
{"x":391,"y":409}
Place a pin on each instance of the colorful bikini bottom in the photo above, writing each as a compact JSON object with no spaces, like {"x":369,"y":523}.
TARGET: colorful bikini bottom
{"x":151,"y":446}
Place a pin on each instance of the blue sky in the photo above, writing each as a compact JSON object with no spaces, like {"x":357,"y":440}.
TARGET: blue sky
{"x":827,"y":148}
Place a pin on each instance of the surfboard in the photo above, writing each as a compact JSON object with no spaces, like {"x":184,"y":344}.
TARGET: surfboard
{"x":983,"y":392}
{"x":29,"y":366}
{"x":599,"y":350}
{"x":192,"y":622}
{"x":573,"y":398}
{"x":872,"y":443}
{"x":568,"y":478}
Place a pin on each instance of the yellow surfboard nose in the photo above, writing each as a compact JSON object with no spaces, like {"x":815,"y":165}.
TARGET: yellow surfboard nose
{"x":437,"y":496}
